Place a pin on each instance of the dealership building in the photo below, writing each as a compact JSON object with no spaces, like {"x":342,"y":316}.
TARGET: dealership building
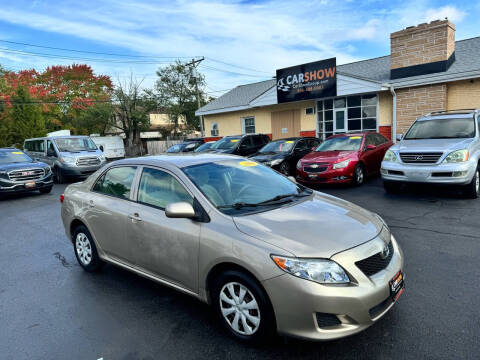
{"x":426,"y":71}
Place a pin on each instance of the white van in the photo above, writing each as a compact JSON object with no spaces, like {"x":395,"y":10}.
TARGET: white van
{"x":112,"y":146}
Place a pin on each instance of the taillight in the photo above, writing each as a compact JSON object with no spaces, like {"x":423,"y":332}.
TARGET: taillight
{"x":62,"y":197}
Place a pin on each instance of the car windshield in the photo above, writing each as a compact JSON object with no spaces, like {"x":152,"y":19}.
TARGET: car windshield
{"x":204,"y":147}
{"x":344,"y":143}
{"x":279,"y":146}
{"x":75,"y":144}
{"x":240,"y":186}
{"x":14,"y":156}
{"x":442,"y":129}
{"x":226,"y":143}
{"x":175,"y":148}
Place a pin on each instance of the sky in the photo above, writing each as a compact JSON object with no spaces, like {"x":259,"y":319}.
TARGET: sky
{"x":242,"y":41}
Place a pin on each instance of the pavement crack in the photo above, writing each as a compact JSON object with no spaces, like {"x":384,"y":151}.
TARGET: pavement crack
{"x":62,"y":259}
{"x":434,"y":231}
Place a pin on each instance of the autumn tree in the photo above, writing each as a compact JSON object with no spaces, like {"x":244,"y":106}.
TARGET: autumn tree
{"x":97,"y":119}
{"x":176,"y":93}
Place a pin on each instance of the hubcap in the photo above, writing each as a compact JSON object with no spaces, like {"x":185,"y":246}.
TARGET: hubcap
{"x":83,"y":248}
{"x":239,"y":308}
{"x":359,"y":175}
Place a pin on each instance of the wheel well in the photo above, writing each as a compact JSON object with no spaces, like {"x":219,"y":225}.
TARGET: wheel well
{"x":75,"y":223}
{"x":222,"y":267}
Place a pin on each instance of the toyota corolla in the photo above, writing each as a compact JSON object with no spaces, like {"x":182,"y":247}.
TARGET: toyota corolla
{"x":268,"y":254}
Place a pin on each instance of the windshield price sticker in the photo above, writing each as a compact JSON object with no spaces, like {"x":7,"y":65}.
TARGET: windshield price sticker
{"x":248,"y":163}
{"x":234,"y":140}
{"x":289,"y":142}
{"x":355,"y":137}
{"x":17,"y":153}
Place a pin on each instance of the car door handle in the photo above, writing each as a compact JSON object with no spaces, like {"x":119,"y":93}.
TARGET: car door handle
{"x":135,"y":217}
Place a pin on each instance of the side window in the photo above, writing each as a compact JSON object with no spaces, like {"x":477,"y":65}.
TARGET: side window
{"x":301,"y":145}
{"x":247,"y":141}
{"x":50,"y":147}
{"x":380,"y":139}
{"x":116,"y":182}
{"x":370,"y":140}
{"x":258,"y":141}
{"x":39,"y":146}
{"x":158,"y":188}
{"x":27,"y":146}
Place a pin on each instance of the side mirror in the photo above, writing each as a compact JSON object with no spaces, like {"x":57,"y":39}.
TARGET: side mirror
{"x":292,"y":179}
{"x":101,"y":148}
{"x":51,"y":153}
{"x":371,"y":147}
{"x":180,"y":210}
{"x":399,"y":137}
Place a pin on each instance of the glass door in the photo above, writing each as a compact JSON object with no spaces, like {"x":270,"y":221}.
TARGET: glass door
{"x":340,"y":120}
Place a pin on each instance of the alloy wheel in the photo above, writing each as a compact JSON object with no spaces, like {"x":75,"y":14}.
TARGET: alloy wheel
{"x":83,"y":248}
{"x":477,"y":182}
{"x":239,"y":308}
{"x":359,"y":175}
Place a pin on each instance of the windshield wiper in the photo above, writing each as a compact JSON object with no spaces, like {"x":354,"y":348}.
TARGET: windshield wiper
{"x":279,"y":199}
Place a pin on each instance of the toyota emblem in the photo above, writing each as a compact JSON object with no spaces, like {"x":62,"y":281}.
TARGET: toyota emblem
{"x":385,"y":252}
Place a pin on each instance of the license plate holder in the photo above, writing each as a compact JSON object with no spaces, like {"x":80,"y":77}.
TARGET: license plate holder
{"x":30,"y":184}
{"x":397,"y":286}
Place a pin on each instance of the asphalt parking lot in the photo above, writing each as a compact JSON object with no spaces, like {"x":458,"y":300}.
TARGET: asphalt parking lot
{"x":51,"y":309}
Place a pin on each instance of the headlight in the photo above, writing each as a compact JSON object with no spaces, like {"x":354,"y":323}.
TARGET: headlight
{"x":67,"y":159}
{"x":322,"y":271}
{"x":341,"y":164}
{"x":457,"y":156}
{"x":275,"y":162}
{"x":390,"y":156}
{"x":299,"y":165}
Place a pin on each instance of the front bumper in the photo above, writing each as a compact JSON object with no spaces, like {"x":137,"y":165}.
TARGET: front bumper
{"x":328,"y":176}
{"x":357,"y":306}
{"x":80,"y":171}
{"x":459,"y":173}
{"x":7,"y":186}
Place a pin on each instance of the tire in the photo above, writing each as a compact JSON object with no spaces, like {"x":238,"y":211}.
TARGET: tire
{"x":85,"y":250}
{"x":251,"y":320}
{"x":285,"y":168}
{"x":472,"y":190}
{"x":392,"y":187}
{"x":358,"y":175}
{"x":58,"y":176}
{"x":46,"y":190}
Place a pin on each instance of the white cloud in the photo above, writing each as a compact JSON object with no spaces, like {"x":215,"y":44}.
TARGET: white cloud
{"x":263,"y":36}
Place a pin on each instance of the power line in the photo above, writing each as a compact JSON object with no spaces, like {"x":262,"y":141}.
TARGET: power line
{"x":237,"y":66}
{"x":95,"y":52}
{"x":232,"y":72}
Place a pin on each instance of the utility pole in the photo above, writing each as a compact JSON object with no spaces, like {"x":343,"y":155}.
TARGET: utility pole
{"x":193,"y":72}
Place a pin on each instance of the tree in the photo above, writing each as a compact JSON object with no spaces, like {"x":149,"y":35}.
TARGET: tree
{"x":96,"y":119}
{"x":132,"y":108}
{"x":24,"y":120}
{"x":176,"y":93}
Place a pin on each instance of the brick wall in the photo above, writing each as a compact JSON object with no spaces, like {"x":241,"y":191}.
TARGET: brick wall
{"x":422,"y":44}
{"x":418,"y":101}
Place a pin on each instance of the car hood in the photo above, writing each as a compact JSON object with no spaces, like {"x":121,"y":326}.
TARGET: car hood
{"x":317,"y":227}
{"x":261,"y":158}
{"x":440,"y":145}
{"x":22,"y":165}
{"x":326,"y":156}
{"x":224,"y":151}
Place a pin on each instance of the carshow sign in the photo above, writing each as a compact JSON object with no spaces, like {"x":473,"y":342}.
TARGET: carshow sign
{"x":307,"y":81}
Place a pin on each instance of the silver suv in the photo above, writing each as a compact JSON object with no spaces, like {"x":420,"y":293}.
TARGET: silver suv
{"x":68,"y":156}
{"x":439,"y":148}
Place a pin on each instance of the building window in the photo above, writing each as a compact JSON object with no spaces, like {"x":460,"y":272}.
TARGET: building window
{"x":214,"y":129}
{"x":248,"y":125}
{"x":354,"y":113}
{"x":309,"y":111}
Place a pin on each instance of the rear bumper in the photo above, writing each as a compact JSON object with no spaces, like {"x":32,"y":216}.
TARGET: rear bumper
{"x":7,"y":186}
{"x":454,"y":174}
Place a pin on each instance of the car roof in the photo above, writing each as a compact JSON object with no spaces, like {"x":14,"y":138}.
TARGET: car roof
{"x":352,"y":134}
{"x":446,"y":116}
{"x":176,"y":159}
{"x":59,"y":137}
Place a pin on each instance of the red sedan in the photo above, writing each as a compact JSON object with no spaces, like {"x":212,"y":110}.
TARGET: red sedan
{"x":344,"y":158}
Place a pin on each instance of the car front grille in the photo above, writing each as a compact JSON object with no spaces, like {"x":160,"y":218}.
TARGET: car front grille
{"x":27,"y":174}
{"x":315,"y":168}
{"x":375,"y":263}
{"x":420,"y":158}
{"x":88,"y":161}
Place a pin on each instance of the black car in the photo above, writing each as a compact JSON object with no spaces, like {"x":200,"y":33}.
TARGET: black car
{"x":242,"y":145}
{"x":184,"y":147}
{"x":283,"y":154}
{"x":20,"y":173}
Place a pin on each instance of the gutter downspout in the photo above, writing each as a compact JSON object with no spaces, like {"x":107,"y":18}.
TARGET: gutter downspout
{"x":394,"y":115}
